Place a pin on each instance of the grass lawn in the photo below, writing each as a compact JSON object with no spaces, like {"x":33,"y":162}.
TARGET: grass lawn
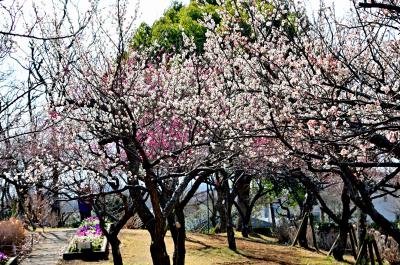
{"x":212,"y":249}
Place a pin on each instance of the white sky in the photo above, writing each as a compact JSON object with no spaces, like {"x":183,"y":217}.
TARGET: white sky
{"x":341,"y":6}
{"x":151,"y":10}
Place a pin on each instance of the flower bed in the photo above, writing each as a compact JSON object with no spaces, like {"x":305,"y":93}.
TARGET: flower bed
{"x":3,"y":258}
{"x":88,"y":242}
{"x":6,"y":260}
{"x":12,"y":239}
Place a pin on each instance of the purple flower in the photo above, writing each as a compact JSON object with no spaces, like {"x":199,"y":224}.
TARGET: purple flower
{"x":3,"y":258}
{"x":89,"y":227}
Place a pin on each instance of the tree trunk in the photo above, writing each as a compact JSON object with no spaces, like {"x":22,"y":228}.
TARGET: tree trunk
{"x":361,"y":197}
{"x":231,"y":237}
{"x":158,"y":250}
{"x":340,"y":246}
{"x":221,"y":208}
{"x":361,"y":234}
{"x":116,"y":252}
{"x":246,"y":229}
{"x":272,"y":215}
{"x":177,"y":227}
{"x":362,"y":228}
{"x":307,"y":209}
{"x":243,"y":202}
{"x":229,"y":224}
{"x":302,"y":238}
{"x":213,"y":217}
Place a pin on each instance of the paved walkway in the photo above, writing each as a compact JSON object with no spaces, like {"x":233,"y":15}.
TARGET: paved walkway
{"x":49,"y":248}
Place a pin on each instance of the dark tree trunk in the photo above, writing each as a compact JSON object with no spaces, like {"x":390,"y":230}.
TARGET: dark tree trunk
{"x":221,"y":209}
{"x":178,"y":232}
{"x":362,"y":228}
{"x":229,"y":224}
{"x":307,"y":209}
{"x":273,"y":221}
{"x":243,"y":203}
{"x":158,"y":250}
{"x":361,"y":234}
{"x":213,"y":217}
{"x":340,"y":246}
{"x":116,"y":252}
{"x":361,"y":197}
{"x":231,"y":237}
{"x":155,"y":222}
{"x":243,"y":220}
{"x":302,"y":238}
{"x":246,"y":229}
{"x":239,"y":225}
{"x":55,"y":204}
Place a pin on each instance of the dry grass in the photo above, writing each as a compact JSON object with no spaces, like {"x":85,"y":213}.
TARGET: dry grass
{"x":12,"y":232}
{"x":212,"y":249}
{"x":12,"y":235}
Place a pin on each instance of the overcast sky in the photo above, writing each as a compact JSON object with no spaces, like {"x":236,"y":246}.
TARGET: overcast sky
{"x":342,"y":7}
{"x":151,"y":10}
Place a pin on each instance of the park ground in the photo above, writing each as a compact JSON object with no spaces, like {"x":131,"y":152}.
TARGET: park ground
{"x":212,"y":249}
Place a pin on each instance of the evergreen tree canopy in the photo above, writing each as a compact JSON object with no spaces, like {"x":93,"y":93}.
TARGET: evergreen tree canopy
{"x":166,"y":33}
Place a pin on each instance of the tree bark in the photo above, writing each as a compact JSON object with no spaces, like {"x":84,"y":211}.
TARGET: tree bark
{"x":221,"y":208}
{"x":229,"y":224}
{"x":177,"y":227}
{"x":177,"y":222}
{"x":340,"y":246}
{"x":273,"y":221}
{"x":246,"y":230}
{"x":243,"y":203}
{"x":154,"y":222}
{"x":361,"y":234}
{"x":116,"y":252}
{"x":307,"y":209}
{"x":158,"y":249}
{"x":362,"y":199}
{"x":302,"y":238}
{"x":362,"y":228}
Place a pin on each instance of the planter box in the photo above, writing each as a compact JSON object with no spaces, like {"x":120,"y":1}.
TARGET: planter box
{"x":88,"y":254}
{"x":12,"y":261}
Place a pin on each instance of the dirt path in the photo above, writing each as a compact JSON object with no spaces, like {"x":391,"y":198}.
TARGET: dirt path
{"x":212,"y":250}
{"x":49,"y":248}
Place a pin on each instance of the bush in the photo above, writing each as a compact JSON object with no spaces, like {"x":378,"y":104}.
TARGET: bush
{"x":12,"y":233}
{"x":387,"y":246}
{"x":134,"y":222}
{"x":325,"y":227}
{"x":391,"y":252}
{"x":266,"y":231}
{"x":282,"y":232}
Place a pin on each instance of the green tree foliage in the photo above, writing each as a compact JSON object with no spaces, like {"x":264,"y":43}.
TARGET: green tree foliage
{"x":166,"y":33}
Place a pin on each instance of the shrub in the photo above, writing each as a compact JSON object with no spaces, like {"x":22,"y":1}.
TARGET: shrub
{"x":282,"y":232}
{"x":325,"y":227}
{"x":134,"y":222}
{"x":12,"y":232}
{"x":387,"y":246}
{"x":266,"y":231}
